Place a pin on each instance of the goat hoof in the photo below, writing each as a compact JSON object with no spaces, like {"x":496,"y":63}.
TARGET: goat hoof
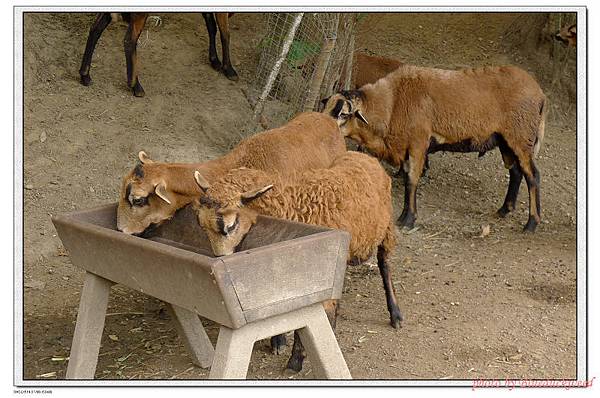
{"x":287,"y":372}
{"x":396,"y":318}
{"x":531,"y":225}
{"x":86,"y":80}
{"x":138,"y":90}
{"x":294,"y":364}
{"x":502,"y":212}
{"x":278,"y":344}
{"x":505,"y":209}
{"x":215,"y":64}
{"x":407,"y":220}
{"x":354,"y":261}
{"x":231,"y":74}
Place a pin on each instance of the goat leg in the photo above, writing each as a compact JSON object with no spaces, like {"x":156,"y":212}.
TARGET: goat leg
{"x":136,"y":24}
{"x":407,"y":218}
{"x":223,"y":24}
{"x":388,"y":286}
{"x":102,"y":21}
{"x":298,"y":352}
{"x":211,"y":27}
{"x":532,"y":177}
{"x":278,"y":344}
{"x":513,"y":191}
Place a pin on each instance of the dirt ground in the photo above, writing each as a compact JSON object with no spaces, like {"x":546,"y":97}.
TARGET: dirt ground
{"x":497,"y":306}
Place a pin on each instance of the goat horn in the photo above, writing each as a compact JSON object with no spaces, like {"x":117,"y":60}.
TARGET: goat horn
{"x":161,"y":191}
{"x":143,"y":156}
{"x":201,"y":181}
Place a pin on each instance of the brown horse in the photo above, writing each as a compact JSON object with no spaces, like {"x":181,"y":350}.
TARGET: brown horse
{"x":136,"y":22}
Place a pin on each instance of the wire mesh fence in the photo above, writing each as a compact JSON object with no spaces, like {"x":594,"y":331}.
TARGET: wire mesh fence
{"x":303,"y":57}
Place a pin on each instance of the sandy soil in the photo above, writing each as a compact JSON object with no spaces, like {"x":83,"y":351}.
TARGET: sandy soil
{"x":497,"y":306}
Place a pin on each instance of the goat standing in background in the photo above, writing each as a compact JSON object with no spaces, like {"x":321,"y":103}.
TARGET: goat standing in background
{"x":416,"y":110}
{"x":136,"y":22}
{"x":567,"y":35}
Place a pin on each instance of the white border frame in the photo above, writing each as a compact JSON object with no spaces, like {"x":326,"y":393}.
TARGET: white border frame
{"x":18,"y":193}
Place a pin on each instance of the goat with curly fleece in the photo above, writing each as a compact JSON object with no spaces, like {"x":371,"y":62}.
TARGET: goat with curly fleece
{"x":353,"y":195}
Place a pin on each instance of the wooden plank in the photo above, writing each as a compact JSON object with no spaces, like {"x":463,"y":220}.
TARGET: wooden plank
{"x":232,"y":355}
{"x":321,"y":346}
{"x":234,"y":347}
{"x":85,"y":347}
{"x":291,"y":260}
{"x":340,"y":270}
{"x":291,"y":269}
{"x":285,"y":306}
{"x":170,"y":274}
{"x":193,"y":335}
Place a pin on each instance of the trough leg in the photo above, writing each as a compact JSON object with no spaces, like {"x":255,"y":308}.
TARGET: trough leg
{"x":89,"y":327}
{"x":232,"y":355}
{"x":234,"y":347}
{"x":193,"y":335}
{"x":322,"y":347}
{"x":296,"y":360}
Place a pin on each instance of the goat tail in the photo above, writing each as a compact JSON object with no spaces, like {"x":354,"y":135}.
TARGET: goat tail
{"x":541,"y":128}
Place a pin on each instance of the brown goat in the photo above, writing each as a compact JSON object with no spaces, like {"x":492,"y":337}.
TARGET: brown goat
{"x":342,"y":196}
{"x":416,"y":110}
{"x":136,"y":22}
{"x":152,"y":192}
{"x":567,"y":35}
{"x":369,"y":68}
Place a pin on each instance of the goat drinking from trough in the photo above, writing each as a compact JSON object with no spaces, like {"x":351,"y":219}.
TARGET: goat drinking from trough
{"x":152,"y":192}
{"x":416,"y":110}
{"x":136,"y":22}
{"x":353,"y":195}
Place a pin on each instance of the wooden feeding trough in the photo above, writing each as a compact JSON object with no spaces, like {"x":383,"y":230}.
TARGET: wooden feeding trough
{"x":274,"y":284}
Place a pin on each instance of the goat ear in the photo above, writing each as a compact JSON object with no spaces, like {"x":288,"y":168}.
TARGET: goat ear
{"x":143,"y":156}
{"x":249,"y":196}
{"x":573,"y":29}
{"x":161,"y":191}
{"x":201,"y":181}
{"x":360,"y":116}
{"x":322,"y":104}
